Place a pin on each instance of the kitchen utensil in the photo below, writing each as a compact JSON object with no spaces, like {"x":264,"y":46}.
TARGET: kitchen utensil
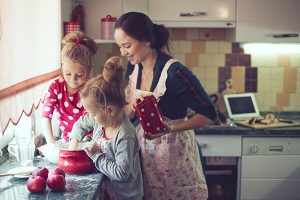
{"x":75,"y":161}
{"x":149,"y":115}
{"x":23,"y":148}
{"x":19,"y":172}
{"x":71,"y":26}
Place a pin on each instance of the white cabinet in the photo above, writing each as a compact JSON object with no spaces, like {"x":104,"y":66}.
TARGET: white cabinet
{"x":188,"y":13}
{"x":220,"y":145}
{"x":268,"y":21}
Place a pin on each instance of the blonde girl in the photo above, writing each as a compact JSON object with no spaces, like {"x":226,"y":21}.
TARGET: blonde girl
{"x":63,"y":93}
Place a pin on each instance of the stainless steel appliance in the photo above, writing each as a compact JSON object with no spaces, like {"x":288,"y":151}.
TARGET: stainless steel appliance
{"x":270,"y":168}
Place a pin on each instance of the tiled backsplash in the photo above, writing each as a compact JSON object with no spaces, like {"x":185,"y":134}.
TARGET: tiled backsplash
{"x":274,"y":78}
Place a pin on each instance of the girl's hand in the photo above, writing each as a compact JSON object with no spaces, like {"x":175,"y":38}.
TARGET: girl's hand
{"x":91,"y":148}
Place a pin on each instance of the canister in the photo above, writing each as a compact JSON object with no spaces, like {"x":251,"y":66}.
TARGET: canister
{"x":107,"y":27}
{"x":71,"y":26}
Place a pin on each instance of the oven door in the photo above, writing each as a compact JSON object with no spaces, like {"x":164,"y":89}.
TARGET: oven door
{"x":221,"y":181}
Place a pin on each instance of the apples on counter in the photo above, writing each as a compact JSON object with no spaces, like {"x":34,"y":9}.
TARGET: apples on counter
{"x":41,"y":176}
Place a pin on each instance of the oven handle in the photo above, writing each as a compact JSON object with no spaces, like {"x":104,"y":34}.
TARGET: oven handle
{"x":218,"y":172}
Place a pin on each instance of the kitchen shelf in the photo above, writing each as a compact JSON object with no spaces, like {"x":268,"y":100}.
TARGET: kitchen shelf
{"x":101,"y":41}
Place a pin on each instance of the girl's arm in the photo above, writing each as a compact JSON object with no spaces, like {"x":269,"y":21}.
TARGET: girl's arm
{"x":120,"y":168}
{"x":47,"y":130}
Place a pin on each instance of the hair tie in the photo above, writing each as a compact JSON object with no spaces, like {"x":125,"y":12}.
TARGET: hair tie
{"x":78,"y":41}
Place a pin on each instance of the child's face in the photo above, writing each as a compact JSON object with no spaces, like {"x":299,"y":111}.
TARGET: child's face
{"x":98,"y":113}
{"x":74,"y":74}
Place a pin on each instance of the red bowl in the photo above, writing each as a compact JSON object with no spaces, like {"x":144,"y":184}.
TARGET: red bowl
{"x":75,"y":161}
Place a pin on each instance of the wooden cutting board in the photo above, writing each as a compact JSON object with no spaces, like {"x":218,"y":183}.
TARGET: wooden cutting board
{"x":273,"y":125}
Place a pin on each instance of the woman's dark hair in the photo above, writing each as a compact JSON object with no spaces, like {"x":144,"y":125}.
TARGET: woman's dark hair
{"x":140,"y":27}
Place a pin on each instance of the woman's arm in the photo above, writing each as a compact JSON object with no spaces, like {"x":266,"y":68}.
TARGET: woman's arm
{"x":188,"y":123}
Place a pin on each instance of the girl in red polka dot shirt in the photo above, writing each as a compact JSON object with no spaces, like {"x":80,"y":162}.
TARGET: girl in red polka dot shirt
{"x":63,"y":93}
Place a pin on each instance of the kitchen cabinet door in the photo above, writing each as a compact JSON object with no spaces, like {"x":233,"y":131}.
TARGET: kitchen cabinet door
{"x":220,"y":145}
{"x":268,"y":21}
{"x":193,"y":13}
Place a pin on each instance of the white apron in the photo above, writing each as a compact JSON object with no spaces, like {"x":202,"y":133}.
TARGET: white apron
{"x":170,"y":164}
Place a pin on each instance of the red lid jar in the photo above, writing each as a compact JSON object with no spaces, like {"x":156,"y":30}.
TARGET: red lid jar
{"x":107,"y":27}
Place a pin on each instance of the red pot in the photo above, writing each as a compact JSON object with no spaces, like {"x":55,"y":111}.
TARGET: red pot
{"x":75,"y":162}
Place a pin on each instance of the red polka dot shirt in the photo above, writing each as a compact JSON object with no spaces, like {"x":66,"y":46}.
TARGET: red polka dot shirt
{"x":68,"y":107}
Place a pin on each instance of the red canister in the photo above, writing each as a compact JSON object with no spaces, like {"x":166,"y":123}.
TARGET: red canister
{"x":149,"y":115}
{"x":71,"y":26}
{"x":107,"y":27}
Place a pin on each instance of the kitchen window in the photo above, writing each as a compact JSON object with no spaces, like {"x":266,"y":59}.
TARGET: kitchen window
{"x":30,"y":43}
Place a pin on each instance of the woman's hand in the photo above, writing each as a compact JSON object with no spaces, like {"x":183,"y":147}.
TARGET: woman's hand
{"x":91,"y":148}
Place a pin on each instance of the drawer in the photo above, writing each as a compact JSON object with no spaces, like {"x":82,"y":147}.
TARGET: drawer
{"x":220,"y":145}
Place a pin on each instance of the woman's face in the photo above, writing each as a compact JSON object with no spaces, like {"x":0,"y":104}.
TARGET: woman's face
{"x":74,"y":74}
{"x":133,"y":50}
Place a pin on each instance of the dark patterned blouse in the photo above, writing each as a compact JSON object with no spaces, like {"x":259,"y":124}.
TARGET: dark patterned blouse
{"x":183,"y":90}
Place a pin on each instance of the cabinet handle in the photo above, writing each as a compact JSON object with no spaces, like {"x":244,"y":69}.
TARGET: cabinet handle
{"x":192,"y":14}
{"x":285,"y":35}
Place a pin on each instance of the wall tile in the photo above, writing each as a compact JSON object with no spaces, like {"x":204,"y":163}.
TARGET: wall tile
{"x":277,"y":73}
{"x":211,"y":73}
{"x":211,"y":47}
{"x":205,"y":34}
{"x":289,"y":86}
{"x":294,"y":99}
{"x":276,"y":86}
{"x":174,"y":46}
{"x":192,"y":59}
{"x":284,"y":60}
{"x":270,"y":99}
{"x":185,"y":46}
{"x":211,"y":86}
{"x":181,"y":57}
{"x":198,"y":47}
{"x":290,"y":73}
{"x":218,"y":59}
{"x":199,"y":72}
{"x":295,"y":60}
{"x":205,"y":59}
{"x":266,"y":60}
{"x":283,"y":99}
{"x":192,"y":34}
{"x":225,"y":47}
{"x":264,"y":86}
{"x":264,"y":74}
{"x":178,"y":34}
{"x":218,"y":34}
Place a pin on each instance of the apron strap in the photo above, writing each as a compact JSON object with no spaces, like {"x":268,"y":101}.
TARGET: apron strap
{"x":161,"y":85}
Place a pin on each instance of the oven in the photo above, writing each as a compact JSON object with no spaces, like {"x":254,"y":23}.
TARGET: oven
{"x":270,"y":168}
{"x":221,"y":177}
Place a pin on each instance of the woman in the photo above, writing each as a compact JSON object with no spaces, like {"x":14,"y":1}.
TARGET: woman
{"x":171,"y":163}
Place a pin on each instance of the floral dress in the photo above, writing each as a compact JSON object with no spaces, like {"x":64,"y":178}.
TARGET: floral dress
{"x":171,"y":164}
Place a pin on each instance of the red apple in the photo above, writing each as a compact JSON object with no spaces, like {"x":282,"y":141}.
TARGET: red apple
{"x":36,"y":184}
{"x":57,"y":171}
{"x":41,"y":171}
{"x":57,"y":183}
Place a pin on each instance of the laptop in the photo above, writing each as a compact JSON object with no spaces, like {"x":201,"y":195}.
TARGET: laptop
{"x":241,"y":107}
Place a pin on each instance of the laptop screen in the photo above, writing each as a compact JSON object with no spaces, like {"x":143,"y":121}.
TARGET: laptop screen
{"x":241,"y":106}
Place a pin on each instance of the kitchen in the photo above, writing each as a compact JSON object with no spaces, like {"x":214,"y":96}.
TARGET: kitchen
{"x":215,"y":52}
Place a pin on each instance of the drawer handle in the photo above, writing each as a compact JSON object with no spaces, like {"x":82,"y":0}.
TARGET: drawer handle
{"x":192,"y":14}
{"x":203,"y":145}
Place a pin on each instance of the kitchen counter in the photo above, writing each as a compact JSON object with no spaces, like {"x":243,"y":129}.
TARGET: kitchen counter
{"x":245,"y":131}
{"x":84,"y":186}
